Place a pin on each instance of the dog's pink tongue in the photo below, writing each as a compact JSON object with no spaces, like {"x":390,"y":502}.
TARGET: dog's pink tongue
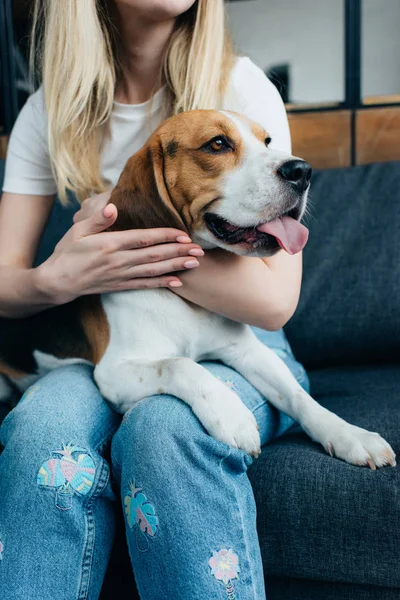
{"x":291,"y":235}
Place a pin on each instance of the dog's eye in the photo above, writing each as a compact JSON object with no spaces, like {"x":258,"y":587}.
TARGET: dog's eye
{"x":267,"y":141}
{"x":217,"y":145}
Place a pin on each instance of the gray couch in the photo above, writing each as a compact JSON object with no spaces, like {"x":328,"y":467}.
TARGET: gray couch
{"x":328,"y":530}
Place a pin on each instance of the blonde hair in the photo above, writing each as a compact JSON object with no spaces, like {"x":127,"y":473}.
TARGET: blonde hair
{"x":76,"y":50}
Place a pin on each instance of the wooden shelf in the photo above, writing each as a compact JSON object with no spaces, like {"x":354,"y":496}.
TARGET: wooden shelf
{"x":392,"y":99}
{"x":322,"y":138}
{"x":378,"y":132}
{"x":294,"y":106}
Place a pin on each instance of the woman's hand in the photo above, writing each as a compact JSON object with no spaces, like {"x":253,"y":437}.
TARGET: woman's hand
{"x":91,"y":206}
{"x":89,"y":260}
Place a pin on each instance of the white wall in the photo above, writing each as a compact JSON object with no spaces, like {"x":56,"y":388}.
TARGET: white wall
{"x":309,"y":35}
{"x":381,"y":47}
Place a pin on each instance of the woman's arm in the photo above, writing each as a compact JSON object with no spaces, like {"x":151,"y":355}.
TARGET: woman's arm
{"x":261,"y":292}
{"x":88,"y":260}
{"x":19,"y":238}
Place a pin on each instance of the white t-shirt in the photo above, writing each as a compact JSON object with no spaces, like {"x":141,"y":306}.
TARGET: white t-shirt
{"x":28,"y":169}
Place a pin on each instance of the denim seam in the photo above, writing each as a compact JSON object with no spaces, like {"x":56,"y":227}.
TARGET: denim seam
{"x":88,"y":552}
{"x":244,"y":541}
{"x":103,"y":443}
{"x":246,"y":547}
{"x":253,"y":410}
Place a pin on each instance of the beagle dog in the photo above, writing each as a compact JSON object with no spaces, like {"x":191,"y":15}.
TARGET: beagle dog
{"x":212,"y":174}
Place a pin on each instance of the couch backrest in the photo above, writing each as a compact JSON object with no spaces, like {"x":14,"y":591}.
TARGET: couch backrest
{"x":349,"y":310}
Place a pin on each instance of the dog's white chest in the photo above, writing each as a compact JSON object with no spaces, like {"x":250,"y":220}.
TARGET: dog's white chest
{"x":158,"y":324}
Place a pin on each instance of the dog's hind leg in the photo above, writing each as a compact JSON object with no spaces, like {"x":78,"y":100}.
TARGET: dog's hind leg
{"x":219,"y":409}
{"x":270,"y":375}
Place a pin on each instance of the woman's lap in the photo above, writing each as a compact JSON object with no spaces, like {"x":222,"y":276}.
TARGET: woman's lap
{"x":161,"y":446}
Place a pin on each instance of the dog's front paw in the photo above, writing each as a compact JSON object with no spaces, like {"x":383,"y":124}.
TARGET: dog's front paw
{"x":228,"y":420}
{"x":360,"y":447}
{"x":242,"y":432}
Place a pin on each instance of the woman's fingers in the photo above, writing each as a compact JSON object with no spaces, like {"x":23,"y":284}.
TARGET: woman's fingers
{"x":98,"y":222}
{"x":148,"y":283}
{"x":160,"y":268}
{"x":91,"y":206}
{"x":156,"y":254}
{"x":143,"y":238}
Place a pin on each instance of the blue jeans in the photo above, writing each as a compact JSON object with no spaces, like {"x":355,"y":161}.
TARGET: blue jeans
{"x":189,"y":509}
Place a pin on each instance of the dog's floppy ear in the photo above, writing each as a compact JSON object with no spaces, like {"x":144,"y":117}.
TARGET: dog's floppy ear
{"x":141,"y":195}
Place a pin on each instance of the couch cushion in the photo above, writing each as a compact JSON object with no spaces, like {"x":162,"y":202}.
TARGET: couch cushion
{"x":349,"y":305}
{"x":320,"y":518}
{"x":303,"y":589}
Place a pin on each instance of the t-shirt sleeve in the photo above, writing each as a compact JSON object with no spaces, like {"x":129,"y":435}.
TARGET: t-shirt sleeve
{"x":255,"y":96}
{"x":28,"y":168}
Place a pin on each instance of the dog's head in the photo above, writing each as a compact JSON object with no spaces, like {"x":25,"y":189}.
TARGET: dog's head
{"x":212,"y":174}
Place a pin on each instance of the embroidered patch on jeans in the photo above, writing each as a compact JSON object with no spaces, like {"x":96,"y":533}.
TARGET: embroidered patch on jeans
{"x":70,"y":470}
{"x":225,"y":567}
{"x":1,"y":550}
{"x":140,"y":513}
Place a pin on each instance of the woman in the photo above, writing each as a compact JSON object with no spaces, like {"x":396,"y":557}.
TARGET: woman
{"x":111,"y":72}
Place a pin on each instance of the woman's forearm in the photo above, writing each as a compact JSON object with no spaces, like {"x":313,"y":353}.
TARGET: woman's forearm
{"x":22,"y":292}
{"x":260,"y":292}
{"x":263,"y":293}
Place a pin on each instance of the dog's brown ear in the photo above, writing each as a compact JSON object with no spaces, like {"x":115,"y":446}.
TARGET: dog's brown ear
{"x":141,"y":195}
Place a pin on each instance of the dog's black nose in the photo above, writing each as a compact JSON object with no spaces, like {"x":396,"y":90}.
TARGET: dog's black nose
{"x":296,"y":172}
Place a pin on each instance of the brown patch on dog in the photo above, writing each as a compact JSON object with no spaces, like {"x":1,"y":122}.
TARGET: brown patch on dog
{"x":172,"y":180}
{"x":159,"y":372}
{"x":10,"y":372}
{"x":95,"y":326}
{"x":259,"y":132}
{"x":140,"y":194}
